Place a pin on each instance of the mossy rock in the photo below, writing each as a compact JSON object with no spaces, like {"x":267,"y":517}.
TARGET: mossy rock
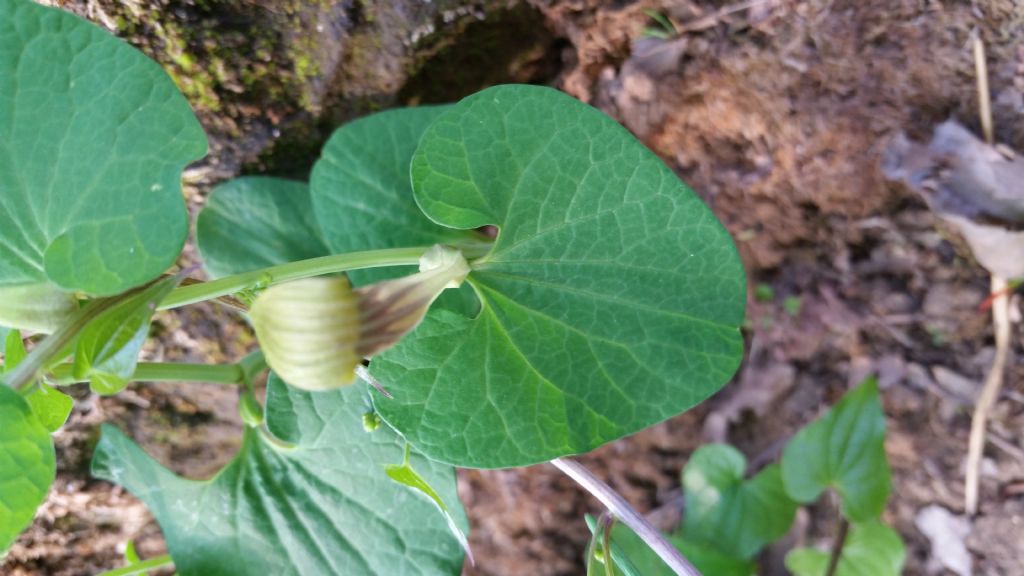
{"x":270,"y":81}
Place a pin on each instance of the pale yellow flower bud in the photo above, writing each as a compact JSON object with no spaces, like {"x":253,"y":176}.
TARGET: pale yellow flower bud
{"x":315,"y":332}
{"x":309,"y":330}
{"x":36,"y":307}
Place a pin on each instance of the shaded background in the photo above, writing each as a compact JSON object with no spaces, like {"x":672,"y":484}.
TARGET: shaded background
{"x":776,"y":112}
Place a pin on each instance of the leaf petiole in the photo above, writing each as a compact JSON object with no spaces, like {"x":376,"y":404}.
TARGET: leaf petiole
{"x":141,"y":567}
{"x":613,"y":553}
{"x":53,"y":344}
{"x":201,"y":291}
{"x":62,"y":375}
{"x":837,"y":547}
{"x":621,"y":509}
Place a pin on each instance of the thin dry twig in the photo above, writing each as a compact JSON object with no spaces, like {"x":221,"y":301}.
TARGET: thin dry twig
{"x":1006,"y":446}
{"x":1000,"y":318}
{"x":988,"y":397}
{"x":984,"y":100}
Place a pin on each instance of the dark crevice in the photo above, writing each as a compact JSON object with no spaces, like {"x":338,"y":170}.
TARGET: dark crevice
{"x":356,"y":13}
{"x":466,"y":54}
{"x":507,"y":46}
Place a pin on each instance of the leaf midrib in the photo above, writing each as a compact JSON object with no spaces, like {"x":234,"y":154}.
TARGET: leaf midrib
{"x":587,"y":294}
{"x":519,"y":352}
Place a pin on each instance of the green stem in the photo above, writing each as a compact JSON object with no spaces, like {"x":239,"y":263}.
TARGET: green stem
{"x":165,"y":372}
{"x":618,"y":556}
{"x":141,"y":567}
{"x":53,"y":344}
{"x":606,"y":544}
{"x":837,"y":547}
{"x":200,"y":292}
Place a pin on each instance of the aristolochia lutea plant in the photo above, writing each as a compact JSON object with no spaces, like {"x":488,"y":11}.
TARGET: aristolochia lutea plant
{"x":609,"y":299}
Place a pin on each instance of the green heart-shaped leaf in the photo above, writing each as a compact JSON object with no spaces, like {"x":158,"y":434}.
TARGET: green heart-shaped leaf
{"x":363,"y":198}
{"x":28,"y":465}
{"x":107,"y":350}
{"x":251,"y":223}
{"x":14,"y":350}
{"x":361,"y":191}
{"x":52,"y":407}
{"x":871,"y":549}
{"x":93,"y":139}
{"x":612,"y":298}
{"x":323,"y":506}
{"x":843,"y":450}
{"x":728,"y":513}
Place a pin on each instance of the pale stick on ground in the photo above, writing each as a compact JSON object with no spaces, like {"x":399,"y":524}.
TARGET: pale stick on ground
{"x":626,"y":514}
{"x":989,"y":393}
{"x":1000,"y":318}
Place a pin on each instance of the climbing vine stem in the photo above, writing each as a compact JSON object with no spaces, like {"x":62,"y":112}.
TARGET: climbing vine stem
{"x":61,"y":374}
{"x":621,"y":510}
{"x":141,"y":567}
{"x":200,"y":291}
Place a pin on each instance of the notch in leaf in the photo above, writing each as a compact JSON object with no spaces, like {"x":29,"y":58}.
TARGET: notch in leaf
{"x":108,"y":348}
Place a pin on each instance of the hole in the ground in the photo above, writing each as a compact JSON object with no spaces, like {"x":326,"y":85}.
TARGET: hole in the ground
{"x":507,"y":46}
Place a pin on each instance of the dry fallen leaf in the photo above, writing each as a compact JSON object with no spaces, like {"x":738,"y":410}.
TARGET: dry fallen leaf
{"x":976,"y":188}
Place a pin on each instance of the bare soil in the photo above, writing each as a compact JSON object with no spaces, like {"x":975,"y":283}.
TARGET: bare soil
{"x":776,"y":113}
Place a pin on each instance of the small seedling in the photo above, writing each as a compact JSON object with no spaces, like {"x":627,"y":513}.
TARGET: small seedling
{"x":730,"y":517}
{"x":764,"y":292}
{"x":792,"y":305}
{"x":663,"y":27}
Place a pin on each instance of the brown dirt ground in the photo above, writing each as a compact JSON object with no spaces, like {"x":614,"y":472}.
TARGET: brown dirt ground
{"x":776,"y":114}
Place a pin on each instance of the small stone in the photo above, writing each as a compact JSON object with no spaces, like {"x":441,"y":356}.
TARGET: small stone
{"x":958,"y":385}
{"x":947,"y":534}
{"x":890,"y":369}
